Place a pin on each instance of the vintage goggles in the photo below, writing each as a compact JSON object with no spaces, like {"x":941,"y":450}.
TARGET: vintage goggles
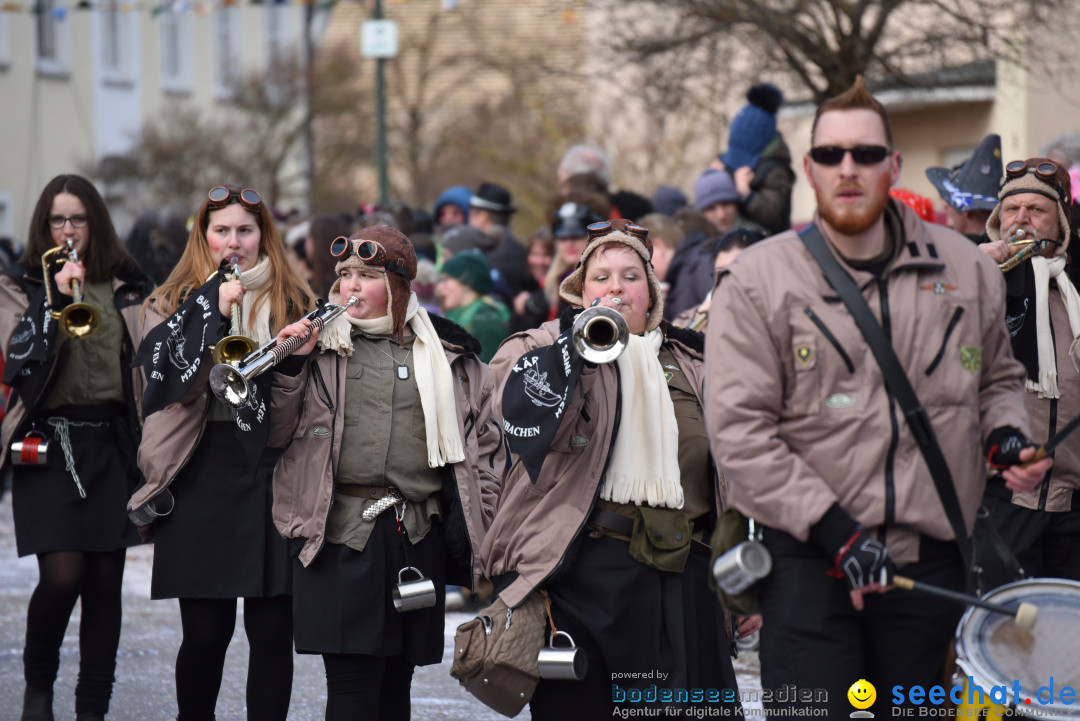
{"x":220,"y":195}
{"x":1044,"y":171}
{"x":370,"y":252}
{"x":604,"y":227}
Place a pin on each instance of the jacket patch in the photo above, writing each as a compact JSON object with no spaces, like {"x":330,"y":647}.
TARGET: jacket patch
{"x":939,"y":288}
{"x":578,"y":441}
{"x":320,"y":431}
{"x":971,"y":357}
{"x":668,"y":375}
{"x":839,"y":400}
{"x":804,"y":353}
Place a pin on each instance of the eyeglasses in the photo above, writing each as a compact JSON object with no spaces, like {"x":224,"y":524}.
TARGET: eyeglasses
{"x":1044,"y":171}
{"x":599,"y":230}
{"x":220,"y":195}
{"x":77,"y":221}
{"x":862,"y":154}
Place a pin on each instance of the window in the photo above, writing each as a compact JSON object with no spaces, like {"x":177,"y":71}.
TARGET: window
{"x":228,"y":35}
{"x":116,"y":44}
{"x":51,"y":36}
{"x":276,"y":24}
{"x":177,"y":40}
{"x":5,"y":40}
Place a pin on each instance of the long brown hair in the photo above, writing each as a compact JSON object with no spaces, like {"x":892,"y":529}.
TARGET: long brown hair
{"x":288,"y":294}
{"x":105,"y":255}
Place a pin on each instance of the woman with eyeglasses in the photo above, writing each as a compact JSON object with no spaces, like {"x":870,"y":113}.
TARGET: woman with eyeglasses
{"x":611,"y":515}
{"x":71,"y":432}
{"x":389,"y":479}
{"x":208,"y":472}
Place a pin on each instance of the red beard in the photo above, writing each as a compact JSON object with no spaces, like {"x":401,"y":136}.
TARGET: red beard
{"x":849,"y":218}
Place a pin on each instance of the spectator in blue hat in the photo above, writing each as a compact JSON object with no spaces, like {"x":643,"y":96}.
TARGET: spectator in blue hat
{"x":759,"y":160}
{"x":452,"y":207}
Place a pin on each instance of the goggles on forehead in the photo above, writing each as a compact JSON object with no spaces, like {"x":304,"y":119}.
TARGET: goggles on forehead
{"x":370,"y":252}
{"x":220,"y":195}
{"x":604,"y":227}
{"x":1044,"y":171}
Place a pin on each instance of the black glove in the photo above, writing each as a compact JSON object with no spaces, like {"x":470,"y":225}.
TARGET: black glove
{"x":1004,"y":445}
{"x":859,"y":558}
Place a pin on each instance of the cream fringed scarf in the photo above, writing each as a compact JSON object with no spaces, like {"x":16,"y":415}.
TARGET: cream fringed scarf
{"x":433,"y":377}
{"x":1046,"y":270}
{"x":645,"y":464}
{"x":257,"y":326}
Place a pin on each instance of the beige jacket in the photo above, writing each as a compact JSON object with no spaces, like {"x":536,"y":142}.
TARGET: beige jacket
{"x":536,"y":524}
{"x":303,"y":424}
{"x":16,"y":289}
{"x":797,"y":409}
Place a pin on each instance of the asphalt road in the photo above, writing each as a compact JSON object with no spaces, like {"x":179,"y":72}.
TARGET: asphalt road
{"x":144,"y":688}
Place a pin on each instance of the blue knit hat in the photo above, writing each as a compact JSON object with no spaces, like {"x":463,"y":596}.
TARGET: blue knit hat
{"x":753,"y":127}
{"x":714,"y":186}
{"x":458,"y":195}
{"x":668,"y":199}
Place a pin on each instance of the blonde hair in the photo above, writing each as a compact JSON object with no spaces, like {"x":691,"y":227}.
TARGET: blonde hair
{"x":289,"y":295}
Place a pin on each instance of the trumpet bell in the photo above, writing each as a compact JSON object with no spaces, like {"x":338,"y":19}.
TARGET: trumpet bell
{"x":600,"y":334}
{"x":229,"y":385}
{"x":79,"y":320}
{"x":232,"y":349}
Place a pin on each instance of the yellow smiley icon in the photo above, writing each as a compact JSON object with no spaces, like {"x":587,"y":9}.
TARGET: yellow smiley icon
{"x":862,"y":694}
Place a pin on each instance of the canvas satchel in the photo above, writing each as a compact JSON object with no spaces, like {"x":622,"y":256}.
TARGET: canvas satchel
{"x":495,"y":653}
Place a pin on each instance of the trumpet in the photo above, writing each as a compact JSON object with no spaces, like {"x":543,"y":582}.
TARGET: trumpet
{"x":1031,"y":247}
{"x":77,"y":319}
{"x":600,"y":334}
{"x":234,"y":347}
{"x":231,"y":384}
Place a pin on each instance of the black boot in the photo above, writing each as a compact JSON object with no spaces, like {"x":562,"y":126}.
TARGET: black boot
{"x":89,"y":716}
{"x":37,"y":705}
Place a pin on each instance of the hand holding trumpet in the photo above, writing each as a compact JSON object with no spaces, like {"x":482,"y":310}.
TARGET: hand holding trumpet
{"x":67,"y":273}
{"x":300,"y":329}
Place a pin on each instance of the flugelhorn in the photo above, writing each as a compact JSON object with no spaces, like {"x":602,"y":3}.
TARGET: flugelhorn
{"x":77,"y":319}
{"x":600,"y":334}
{"x":232,"y":385}
{"x":236,"y":346}
{"x":1031,"y":247}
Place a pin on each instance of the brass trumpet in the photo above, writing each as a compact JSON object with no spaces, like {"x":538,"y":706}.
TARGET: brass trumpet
{"x":1031,"y":248}
{"x":236,"y":346}
{"x":231,"y":384}
{"x":77,"y":319}
{"x":600,"y":334}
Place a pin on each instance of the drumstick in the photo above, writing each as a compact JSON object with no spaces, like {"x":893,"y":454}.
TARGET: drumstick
{"x":1025,"y":613}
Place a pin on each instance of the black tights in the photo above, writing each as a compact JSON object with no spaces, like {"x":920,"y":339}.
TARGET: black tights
{"x":64,"y":576}
{"x":367,"y":687}
{"x":208,"y":625}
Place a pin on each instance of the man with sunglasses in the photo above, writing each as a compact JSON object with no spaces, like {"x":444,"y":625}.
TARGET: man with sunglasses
{"x":813,"y":442}
{"x":1042,"y":311}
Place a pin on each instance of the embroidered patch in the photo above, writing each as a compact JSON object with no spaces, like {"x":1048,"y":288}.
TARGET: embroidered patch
{"x":578,"y":441}
{"x":668,"y":375}
{"x":971,"y":357}
{"x":804,"y":353}
{"x":839,"y":400}
{"x":939,"y":288}
{"x":320,"y":431}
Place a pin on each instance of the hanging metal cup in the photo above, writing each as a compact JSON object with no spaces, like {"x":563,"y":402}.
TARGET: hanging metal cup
{"x":32,"y":450}
{"x":413,"y":595}
{"x":742,"y":567}
{"x":566,"y":664}
{"x":161,"y":504}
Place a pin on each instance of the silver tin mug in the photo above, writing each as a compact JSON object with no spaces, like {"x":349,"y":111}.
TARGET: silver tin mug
{"x":161,"y":504}
{"x":413,"y":595}
{"x":742,"y":567}
{"x":568,"y":663}
{"x":33,"y":450}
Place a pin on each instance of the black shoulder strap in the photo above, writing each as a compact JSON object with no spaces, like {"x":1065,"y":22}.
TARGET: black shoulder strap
{"x":896,"y":380}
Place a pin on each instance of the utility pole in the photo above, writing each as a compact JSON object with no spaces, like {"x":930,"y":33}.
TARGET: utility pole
{"x":380,"y":118}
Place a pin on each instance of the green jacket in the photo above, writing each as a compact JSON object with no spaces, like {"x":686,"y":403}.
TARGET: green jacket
{"x":487,"y":320}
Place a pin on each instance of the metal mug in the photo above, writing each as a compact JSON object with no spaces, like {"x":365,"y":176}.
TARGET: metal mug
{"x":161,"y":504}
{"x":742,"y":567}
{"x":566,"y":664}
{"x":33,"y":450}
{"x":413,"y":595}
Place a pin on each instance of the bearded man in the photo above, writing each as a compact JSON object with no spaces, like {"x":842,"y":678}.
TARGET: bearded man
{"x":813,"y":443}
{"x":1042,"y":311}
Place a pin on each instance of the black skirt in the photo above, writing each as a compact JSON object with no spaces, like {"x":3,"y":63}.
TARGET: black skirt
{"x":50,"y":514}
{"x":635,"y":620}
{"x":342,"y":602}
{"x":220,"y":540}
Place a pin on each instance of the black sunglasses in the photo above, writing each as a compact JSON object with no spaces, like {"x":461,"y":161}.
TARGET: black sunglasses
{"x":861,"y":154}
{"x":220,"y":195}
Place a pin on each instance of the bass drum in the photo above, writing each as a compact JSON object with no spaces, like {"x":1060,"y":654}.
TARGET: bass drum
{"x":992,"y":651}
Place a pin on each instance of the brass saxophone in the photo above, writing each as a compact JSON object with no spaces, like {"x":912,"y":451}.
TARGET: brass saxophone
{"x":1030,"y":249}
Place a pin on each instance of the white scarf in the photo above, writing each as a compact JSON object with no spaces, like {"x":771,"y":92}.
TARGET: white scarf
{"x":433,"y":377}
{"x":645,"y":464}
{"x":256,"y":326}
{"x":1047,"y":269}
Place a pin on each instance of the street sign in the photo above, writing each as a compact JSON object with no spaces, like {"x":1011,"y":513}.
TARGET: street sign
{"x":378,"y":39}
